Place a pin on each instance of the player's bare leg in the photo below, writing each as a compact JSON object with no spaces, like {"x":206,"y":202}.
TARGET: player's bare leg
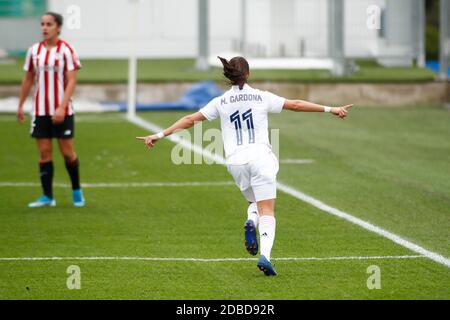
{"x":72,"y":166}
{"x":267,"y":224}
{"x":45,"y":149}
{"x":46,"y":174}
{"x":266,"y":207}
{"x":67,"y":150}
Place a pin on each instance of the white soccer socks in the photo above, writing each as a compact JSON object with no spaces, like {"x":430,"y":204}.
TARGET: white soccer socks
{"x":266,"y":229}
{"x":252,"y":213}
{"x":266,"y":234}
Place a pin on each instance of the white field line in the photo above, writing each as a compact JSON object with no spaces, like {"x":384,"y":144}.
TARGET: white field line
{"x":98,"y":120}
{"x":308,"y":199}
{"x":95,"y":118}
{"x":91,"y":118}
{"x":296,"y":161}
{"x":124,"y":185}
{"x":209,"y":259}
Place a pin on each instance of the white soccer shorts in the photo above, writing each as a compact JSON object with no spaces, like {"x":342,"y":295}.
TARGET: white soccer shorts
{"x":257,"y":179}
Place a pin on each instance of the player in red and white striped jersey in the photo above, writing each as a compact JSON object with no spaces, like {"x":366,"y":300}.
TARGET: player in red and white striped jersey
{"x":52,"y":65}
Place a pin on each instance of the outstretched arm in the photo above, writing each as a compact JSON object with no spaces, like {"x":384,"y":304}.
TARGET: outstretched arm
{"x":183,"y":123}
{"x":305,"y":106}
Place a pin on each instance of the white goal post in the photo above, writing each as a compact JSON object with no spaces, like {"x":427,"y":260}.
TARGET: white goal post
{"x":132,"y":59}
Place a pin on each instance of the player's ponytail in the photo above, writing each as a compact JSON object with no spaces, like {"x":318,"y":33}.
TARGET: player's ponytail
{"x":236,"y":70}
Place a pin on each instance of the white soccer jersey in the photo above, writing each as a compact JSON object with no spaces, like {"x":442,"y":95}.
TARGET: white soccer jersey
{"x":243,"y":120}
{"x":50,"y":67}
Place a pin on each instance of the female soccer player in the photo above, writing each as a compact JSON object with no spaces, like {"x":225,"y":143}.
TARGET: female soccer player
{"x":243,"y":115}
{"x":52,"y":65}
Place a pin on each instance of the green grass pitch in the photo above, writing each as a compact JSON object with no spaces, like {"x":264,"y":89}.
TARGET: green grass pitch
{"x":180,"y":70}
{"x":388,"y":166}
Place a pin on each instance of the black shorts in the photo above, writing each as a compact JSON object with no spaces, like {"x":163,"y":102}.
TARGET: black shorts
{"x":42,"y":127}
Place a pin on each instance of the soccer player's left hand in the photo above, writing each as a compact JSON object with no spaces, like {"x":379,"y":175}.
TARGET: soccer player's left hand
{"x":149,"y":140}
{"x":20,"y":115}
{"x":58,"y":116}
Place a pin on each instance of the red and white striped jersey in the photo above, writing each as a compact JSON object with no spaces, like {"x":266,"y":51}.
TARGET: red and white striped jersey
{"x":50,"y":68}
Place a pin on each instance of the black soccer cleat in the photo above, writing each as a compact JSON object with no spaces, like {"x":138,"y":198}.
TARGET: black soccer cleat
{"x":265,"y":266}
{"x":251,"y":242}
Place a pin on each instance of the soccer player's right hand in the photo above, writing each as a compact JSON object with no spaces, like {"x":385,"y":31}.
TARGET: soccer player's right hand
{"x":341,"y":112}
{"x":20,"y":115}
{"x":149,"y":140}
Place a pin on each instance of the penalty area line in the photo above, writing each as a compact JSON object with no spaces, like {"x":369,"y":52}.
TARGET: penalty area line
{"x":208,"y":259}
{"x":145,"y":124}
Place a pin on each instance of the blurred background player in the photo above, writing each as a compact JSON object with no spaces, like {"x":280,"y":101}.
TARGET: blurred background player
{"x":243,"y":115}
{"x":52,"y":65}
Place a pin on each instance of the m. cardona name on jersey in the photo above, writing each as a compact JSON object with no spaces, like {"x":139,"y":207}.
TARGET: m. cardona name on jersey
{"x":242,"y":97}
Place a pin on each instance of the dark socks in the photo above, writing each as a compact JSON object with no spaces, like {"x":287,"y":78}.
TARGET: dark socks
{"x":72,"y":169}
{"x":46,"y":171}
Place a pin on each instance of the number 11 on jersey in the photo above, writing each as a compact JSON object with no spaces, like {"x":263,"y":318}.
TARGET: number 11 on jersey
{"x":247,"y":117}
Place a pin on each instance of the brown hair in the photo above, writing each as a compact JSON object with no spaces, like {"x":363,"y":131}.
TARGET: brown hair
{"x":236,"y":70}
{"x":58,"y":18}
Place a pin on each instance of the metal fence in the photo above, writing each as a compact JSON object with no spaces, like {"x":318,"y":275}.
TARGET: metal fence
{"x":390,"y":31}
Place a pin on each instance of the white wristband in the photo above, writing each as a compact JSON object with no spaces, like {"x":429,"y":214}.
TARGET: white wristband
{"x":160,"y":135}
{"x":326,"y":109}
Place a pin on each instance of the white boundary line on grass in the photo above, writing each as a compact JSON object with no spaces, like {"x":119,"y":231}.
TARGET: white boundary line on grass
{"x":208,"y":259}
{"x":306,"y":198}
{"x":124,"y":185}
{"x":297,"y":161}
